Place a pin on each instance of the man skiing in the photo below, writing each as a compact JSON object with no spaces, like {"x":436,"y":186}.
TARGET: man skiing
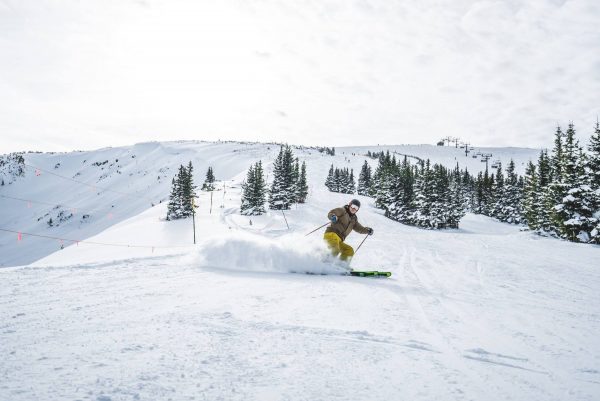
{"x":343,"y":221}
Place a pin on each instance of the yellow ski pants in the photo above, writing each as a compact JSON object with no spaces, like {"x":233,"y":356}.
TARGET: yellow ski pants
{"x":338,"y":247}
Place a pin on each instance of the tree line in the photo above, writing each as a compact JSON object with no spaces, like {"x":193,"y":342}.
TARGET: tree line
{"x":341,"y":180}
{"x":561,"y":194}
{"x":183,"y":191}
{"x":289,"y":185}
{"x":558,"y":196}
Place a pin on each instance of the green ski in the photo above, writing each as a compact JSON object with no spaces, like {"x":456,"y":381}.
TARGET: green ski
{"x":371,"y":273}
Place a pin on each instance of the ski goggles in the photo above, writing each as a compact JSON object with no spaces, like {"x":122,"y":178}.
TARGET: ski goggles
{"x":354,"y":208}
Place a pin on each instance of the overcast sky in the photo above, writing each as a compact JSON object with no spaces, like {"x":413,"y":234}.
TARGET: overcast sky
{"x":95,"y":73}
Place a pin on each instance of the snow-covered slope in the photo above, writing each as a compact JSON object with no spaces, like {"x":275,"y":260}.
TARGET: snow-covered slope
{"x":484,"y":312}
{"x":122,"y":182}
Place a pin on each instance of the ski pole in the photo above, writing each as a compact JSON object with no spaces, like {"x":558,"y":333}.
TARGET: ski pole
{"x":316,"y":229}
{"x":366,"y":236}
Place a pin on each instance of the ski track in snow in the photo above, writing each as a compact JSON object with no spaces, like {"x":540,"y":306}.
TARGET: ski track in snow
{"x":486,"y":312}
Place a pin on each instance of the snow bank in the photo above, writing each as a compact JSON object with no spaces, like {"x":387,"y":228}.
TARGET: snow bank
{"x":242,"y":251}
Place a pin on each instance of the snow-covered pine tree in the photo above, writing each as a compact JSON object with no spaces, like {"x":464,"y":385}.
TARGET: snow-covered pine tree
{"x":295,"y":178}
{"x":337,"y":180}
{"x":457,"y":202}
{"x":512,"y":208}
{"x":378,"y":176}
{"x":497,"y":195}
{"x":277,"y":193}
{"x":382,"y":181}
{"x":575,"y":212}
{"x":209,"y":181}
{"x":557,"y":158}
{"x":364,"y":179}
{"x":180,"y":199}
{"x":302,"y":186}
{"x":468,"y":190}
{"x":281,"y":194}
{"x":188,"y":190}
{"x":593,"y":169}
{"x":556,"y":190}
{"x":345,"y":180}
{"x":478,"y":197}
{"x":173,"y":207}
{"x":398,"y":200}
{"x":531,"y":196}
{"x":593,"y":160}
{"x":563,"y":177}
{"x":484,"y":194}
{"x":329,"y":181}
{"x":544,"y":174}
{"x":254,"y":191}
{"x":441,"y":205}
{"x":351,"y":186}
{"x":424,"y":192}
{"x":247,"y":206}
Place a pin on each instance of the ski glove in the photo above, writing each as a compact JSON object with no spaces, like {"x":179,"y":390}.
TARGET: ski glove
{"x":369,"y":231}
{"x":333,"y":218}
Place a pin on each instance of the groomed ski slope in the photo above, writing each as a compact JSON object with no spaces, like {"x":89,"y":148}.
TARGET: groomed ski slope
{"x":486,"y":312}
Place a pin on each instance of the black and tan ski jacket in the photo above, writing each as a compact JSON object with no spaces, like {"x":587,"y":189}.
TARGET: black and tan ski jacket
{"x":345,"y":223}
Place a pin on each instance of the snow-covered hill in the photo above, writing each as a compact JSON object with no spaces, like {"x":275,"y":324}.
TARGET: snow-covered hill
{"x":86,"y":192}
{"x":484,"y":312}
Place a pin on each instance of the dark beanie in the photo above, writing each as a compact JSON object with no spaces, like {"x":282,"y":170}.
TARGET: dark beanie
{"x":355,"y":202}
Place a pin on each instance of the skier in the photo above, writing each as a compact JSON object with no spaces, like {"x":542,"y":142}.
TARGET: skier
{"x":343,"y":221}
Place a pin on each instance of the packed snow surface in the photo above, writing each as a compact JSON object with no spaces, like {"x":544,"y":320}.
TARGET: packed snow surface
{"x":485,"y":312}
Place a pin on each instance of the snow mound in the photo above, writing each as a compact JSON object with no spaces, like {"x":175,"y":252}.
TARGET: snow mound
{"x":242,"y":251}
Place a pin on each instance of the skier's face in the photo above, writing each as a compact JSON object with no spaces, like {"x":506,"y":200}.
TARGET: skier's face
{"x":353,"y":209}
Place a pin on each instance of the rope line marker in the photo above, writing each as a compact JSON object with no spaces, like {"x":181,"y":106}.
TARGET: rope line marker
{"x":77,"y":241}
{"x":38,"y":172}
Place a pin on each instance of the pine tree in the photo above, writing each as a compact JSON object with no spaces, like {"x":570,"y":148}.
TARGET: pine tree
{"x":175,"y":206}
{"x":351,"y":187}
{"x":254,"y":191}
{"x":512,"y":208}
{"x":182,"y":194}
{"x":281,"y":194}
{"x":593,"y":167}
{"x":424,"y":191}
{"x":337,"y":180}
{"x":497,"y":195}
{"x":544,"y":221}
{"x":329,"y":183}
{"x":457,"y":203}
{"x":557,"y":159}
{"x":364,"y":179}
{"x":247,"y":206}
{"x":479,"y":194}
{"x":188,"y":190}
{"x":295,"y":178}
{"x":574,"y":213}
{"x":531,"y":204}
{"x":209,"y":181}
{"x":302,"y":187}
{"x":593,"y":161}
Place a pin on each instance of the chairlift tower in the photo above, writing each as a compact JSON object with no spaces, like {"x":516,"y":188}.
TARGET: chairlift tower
{"x":467,"y":149}
{"x":484,"y":158}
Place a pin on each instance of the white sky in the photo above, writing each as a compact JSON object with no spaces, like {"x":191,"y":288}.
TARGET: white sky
{"x":94,"y":73}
